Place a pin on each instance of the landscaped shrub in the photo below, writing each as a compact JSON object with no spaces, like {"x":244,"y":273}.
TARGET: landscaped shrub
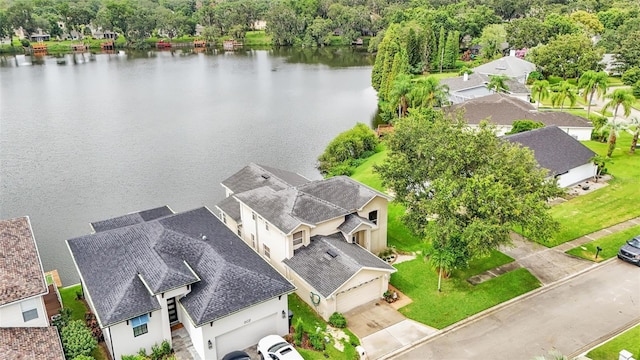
{"x":166,"y":347}
{"x":338,"y":320}
{"x":25,"y":42}
{"x":533,"y":76}
{"x":316,"y":339}
{"x":63,"y":319}
{"x":356,"y":143}
{"x":636,"y":90}
{"x":298,"y":331}
{"x":524,"y":125}
{"x":84,"y":357}
{"x":599,"y":133}
{"x":77,"y":339}
{"x":631,"y":76}
{"x":133,"y":357}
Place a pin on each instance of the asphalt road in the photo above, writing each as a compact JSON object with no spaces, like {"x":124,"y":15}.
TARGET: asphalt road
{"x":570,"y":317}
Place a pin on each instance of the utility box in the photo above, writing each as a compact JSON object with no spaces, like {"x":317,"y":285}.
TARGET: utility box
{"x":361,"y":352}
{"x":625,"y":355}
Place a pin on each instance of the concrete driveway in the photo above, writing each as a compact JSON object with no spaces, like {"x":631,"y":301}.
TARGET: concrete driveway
{"x":382,"y":329}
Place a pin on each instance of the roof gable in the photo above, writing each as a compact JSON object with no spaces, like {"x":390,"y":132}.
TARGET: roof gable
{"x":254,"y":176}
{"x":21,"y":273}
{"x":132,"y":218}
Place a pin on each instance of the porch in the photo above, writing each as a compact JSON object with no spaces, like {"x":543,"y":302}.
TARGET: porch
{"x":182,"y":346}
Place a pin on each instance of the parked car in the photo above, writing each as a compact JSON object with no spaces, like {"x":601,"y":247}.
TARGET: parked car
{"x":237,"y":355}
{"x":631,"y":251}
{"x":274,"y":347}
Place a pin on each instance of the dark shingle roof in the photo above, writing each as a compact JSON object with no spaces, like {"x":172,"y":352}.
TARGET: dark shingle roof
{"x":327,"y":273}
{"x":231,"y":207}
{"x":502,"y":109}
{"x":254,"y":176}
{"x":230,"y":275}
{"x":352,"y":221}
{"x":311,"y":203}
{"x":130,"y":219}
{"x":21,"y":273}
{"x":30,"y":343}
{"x":554,"y":149}
{"x":480,"y":80}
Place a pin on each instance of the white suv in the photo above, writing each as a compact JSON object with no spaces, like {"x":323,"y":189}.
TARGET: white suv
{"x":274,"y":347}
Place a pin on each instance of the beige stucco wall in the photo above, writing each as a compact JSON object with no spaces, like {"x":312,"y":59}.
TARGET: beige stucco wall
{"x":379,"y":235}
{"x":11,"y":314}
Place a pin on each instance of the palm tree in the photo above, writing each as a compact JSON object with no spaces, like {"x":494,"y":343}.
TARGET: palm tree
{"x":614,"y":131}
{"x":619,"y":97}
{"x":564,"y":91}
{"x":498,"y":83}
{"x":634,"y":142}
{"x":540,"y":89}
{"x":400,"y":90}
{"x":593,"y":83}
{"x":428,"y":91}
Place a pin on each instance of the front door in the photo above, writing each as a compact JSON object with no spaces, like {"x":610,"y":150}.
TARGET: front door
{"x":172,"y":310}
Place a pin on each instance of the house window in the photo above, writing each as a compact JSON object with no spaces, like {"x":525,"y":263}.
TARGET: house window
{"x":253,"y":216}
{"x":373,"y":217}
{"x":139,"y":325}
{"x":267,"y":251}
{"x":29,"y":309}
{"x":297,"y":238}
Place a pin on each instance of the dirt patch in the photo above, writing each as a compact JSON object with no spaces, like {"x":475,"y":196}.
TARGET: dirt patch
{"x":338,"y":335}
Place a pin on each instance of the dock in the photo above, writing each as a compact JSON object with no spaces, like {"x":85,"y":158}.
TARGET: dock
{"x":39,"y":48}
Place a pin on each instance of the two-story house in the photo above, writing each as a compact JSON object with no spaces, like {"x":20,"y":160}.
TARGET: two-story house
{"x":146,"y":272}
{"x":320,"y":234}
{"x":24,"y":324}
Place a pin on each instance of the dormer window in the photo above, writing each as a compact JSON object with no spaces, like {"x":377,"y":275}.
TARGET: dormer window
{"x":298,"y":238}
{"x":373,"y":217}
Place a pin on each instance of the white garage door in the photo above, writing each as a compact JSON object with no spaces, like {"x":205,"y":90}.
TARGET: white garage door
{"x":357,"y":296}
{"x":245,"y":336}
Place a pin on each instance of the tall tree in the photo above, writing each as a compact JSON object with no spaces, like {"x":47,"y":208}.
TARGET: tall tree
{"x":400,"y":90}
{"x":441,"y":47}
{"x":493,"y":36}
{"x":498,"y":83}
{"x":593,"y":83}
{"x":564,"y":91}
{"x":614,"y":129}
{"x":428,"y":92}
{"x":452,"y":49}
{"x":471,"y":185}
{"x":540,"y":89}
{"x":526,"y":33}
{"x":619,"y":97}
{"x":567,"y":56}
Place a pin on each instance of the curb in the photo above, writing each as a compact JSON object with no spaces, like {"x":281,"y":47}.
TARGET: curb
{"x":541,"y":290}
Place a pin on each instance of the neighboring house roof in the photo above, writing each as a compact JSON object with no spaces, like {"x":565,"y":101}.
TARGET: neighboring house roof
{"x":310,"y":203}
{"x":476,"y":80}
{"x":231,"y":207}
{"x":228,"y":276}
{"x":510,"y":66}
{"x":329,"y":261}
{"x":21,"y":274}
{"x":554,"y":149}
{"x":352,"y":222}
{"x":503,"y":109}
{"x":130,"y":219}
{"x":254,"y":176}
{"x":22,"y":343}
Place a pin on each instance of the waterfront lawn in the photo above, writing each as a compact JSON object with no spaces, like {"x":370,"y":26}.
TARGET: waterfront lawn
{"x":625,"y":341}
{"x":257,"y":38}
{"x":604,"y":207}
{"x":458,"y":299}
{"x":311,"y":321}
{"x":609,"y":244}
{"x":69,"y":301}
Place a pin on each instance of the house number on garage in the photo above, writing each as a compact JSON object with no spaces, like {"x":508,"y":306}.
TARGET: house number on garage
{"x":247,"y":321}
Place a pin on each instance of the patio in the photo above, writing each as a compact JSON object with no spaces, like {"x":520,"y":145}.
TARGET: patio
{"x":182,"y":345}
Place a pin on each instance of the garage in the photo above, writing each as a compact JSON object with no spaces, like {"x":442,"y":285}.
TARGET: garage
{"x":247,"y":335}
{"x":361,"y":294}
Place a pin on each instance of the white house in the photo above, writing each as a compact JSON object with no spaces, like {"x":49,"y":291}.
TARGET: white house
{"x":511,"y":66}
{"x":24,"y":324}
{"x":471,"y":86}
{"x":321,"y":234}
{"x":568,"y":160}
{"x":146,"y":272}
{"x":502,"y":110}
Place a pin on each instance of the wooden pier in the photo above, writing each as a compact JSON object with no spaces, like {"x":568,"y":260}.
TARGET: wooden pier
{"x":231,"y":44}
{"x":107,"y":46}
{"x":199,"y":43}
{"x":79,"y":47}
{"x":39,"y":48}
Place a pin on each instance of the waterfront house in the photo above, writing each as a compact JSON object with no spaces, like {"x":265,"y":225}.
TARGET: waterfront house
{"x":470,"y":86}
{"x":25,"y":331}
{"x":511,"y":66}
{"x":567,"y":159}
{"x":148,"y":272}
{"x":323,"y":235}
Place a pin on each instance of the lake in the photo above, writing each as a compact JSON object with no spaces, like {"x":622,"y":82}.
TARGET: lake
{"x":90,"y":137}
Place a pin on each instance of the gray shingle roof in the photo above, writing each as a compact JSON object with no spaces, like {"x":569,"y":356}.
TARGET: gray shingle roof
{"x":132,"y":218}
{"x":554,"y":149}
{"x":352,"y":221}
{"x":326,"y":273}
{"x":508,"y":65}
{"x":502,"y":109}
{"x":230,"y":275}
{"x":480,"y":80}
{"x":310,"y":203}
{"x":30,"y":343}
{"x":231,"y":207}
{"x":21,"y":274}
{"x":254,"y":176}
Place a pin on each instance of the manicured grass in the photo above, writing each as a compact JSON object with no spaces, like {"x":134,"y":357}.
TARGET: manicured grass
{"x":68,"y":295}
{"x":610,"y":350}
{"x":256,"y":38}
{"x":312,"y":321}
{"x":458,"y":299}
{"x":614,"y":81}
{"x":636,"y":105}
{"x":365,"y":174}
{"x":443,"y":75}
{"x":609,"y":244}
{"x":477,"y":266}
{"x":607,"y":206}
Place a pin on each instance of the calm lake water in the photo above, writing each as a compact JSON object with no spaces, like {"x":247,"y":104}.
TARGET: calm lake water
{"x":86,"y":138}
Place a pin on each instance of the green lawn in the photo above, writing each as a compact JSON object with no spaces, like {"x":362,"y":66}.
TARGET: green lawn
{"x":68,"y":295}
{"x":443,"y":75}
{"x":636,"y":105}
{"x":458,"y":299}
{"x":614,"y":81}
{"x":609,"y":244}
{"x":605,"y":207}
{"x":311,"y":321}
{"x":610,"y":350}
